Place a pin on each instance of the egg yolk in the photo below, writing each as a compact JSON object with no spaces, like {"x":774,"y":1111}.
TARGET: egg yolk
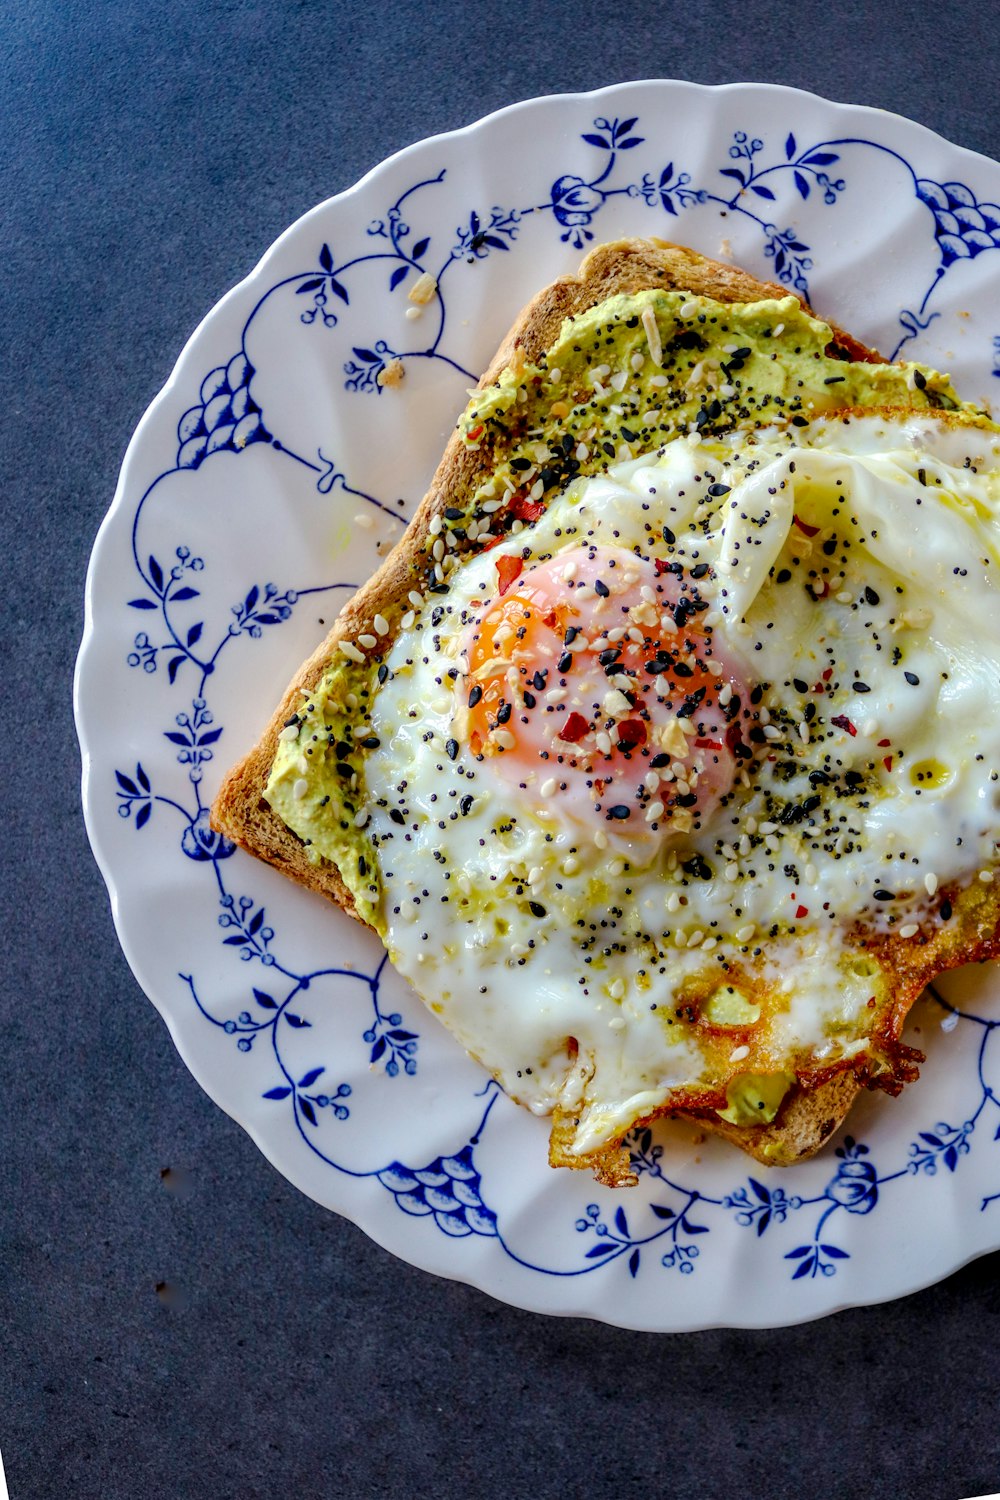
{"x":592,"y":683}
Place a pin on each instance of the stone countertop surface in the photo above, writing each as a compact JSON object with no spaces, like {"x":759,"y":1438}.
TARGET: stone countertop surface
{"x":151,"y":154}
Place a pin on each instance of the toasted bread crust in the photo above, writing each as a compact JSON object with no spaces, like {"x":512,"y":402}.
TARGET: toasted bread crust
{"x":809,"y":1115}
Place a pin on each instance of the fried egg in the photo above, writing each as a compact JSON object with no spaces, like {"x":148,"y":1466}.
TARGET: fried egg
{"x":651,"y":775}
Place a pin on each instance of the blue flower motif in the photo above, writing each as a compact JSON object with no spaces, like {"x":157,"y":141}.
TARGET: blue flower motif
{"x":449,"y":1189}
{"x":855,"y":1186}
{"x":200,"y":841}
{"x":963,"y":227}
{"x":574,"y":203}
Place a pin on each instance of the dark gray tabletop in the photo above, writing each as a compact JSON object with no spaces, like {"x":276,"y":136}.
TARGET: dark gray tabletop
{"x":151,"y":154}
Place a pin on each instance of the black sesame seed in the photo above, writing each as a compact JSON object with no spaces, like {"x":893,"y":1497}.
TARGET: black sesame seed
{"x":860,"y":687}
{"x":870,"y":595}
{"x":536,"y":908}
{"x":600,"y":587}
{"x":503,"y":713}
{"x":884,"y":896}
{"x":452,"y":749}
{"x":565,"y":662}
{"x":945,"y":911}
{"x":912,"y":678}
{"x":668,"y":536}
{"x":475,"y":695}
{"x":715,"y":490}
{"x":618,"y":811}
{"x":465,"y":806}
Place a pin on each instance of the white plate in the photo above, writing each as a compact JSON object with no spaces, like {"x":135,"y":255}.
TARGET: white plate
{"x":251,"y":500}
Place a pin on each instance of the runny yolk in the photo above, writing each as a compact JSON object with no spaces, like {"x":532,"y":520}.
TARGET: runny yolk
{"x":593,"y":685}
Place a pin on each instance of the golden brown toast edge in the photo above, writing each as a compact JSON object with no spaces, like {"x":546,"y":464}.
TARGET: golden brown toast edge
{"x":239,"y":810}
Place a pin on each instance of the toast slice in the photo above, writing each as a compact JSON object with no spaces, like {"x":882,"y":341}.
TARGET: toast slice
{"x":809,"y":1115}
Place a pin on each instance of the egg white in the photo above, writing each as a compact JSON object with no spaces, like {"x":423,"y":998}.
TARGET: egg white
{"x":624,"y":925}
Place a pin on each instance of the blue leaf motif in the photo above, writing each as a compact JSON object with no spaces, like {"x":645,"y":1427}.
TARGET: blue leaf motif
{"x":257,"y":923}
{"x":834,"y":1252}
{"x":760,"y":1190}
{"x":127,"y":784}
{"x":633,"y":140}
{"x":141,"y":604}
{"x":325,"y":258}
{"x":264,"y":999}
{"x":194,"y":634}
{"x":296,"y":1021}
{"x":633,"y":1263}
{"x":598,"y":1250}
{"x":155,"y":573}
{"x":420,"y":248}
{"x":398,"y":275}
{"x":184,"y":593}
{"x":594,"y":140}
{"x":310,"y":1077}
{"x":141,"y":777}
{"x":661,"y":1212}
{"x":172,"y":665}
{"x":802,"y":184}
{"x":621,"y":1223}
{"x":821,"y":158}
{"x":312,"y":285}
{"x":339,"y":290}
{"x":279,"y":1093}
{"x":762,"y":192}
{"x":798,"y":1252}
{"x":308,"y":1111}
{"x":209,"y":737}
{"x":804,"y":1269}
{"x":142,"y":816}
{"x":790,"y":147}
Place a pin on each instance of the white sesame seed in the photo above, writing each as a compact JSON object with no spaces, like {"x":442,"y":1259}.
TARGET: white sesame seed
{"x":739,"y":1053}
{"x":696,"y":939}
{"x":535,"y":874}
{"x":778,"y":330}
{"x":290,"y":732}
{"x":709,"y":944}
{"x":555,"y":375}
{"x":364,"y":520}
{"x":601,"y":839}
{"x":673,"y":902}
{"x":438,"y":572}
{"x":603,"y":742}
{"x":408,"y":620}
{"x":651,"y":781}
{"x":414,"y":312}
{"x":368,"y":641}
{"x":582,"y":452}
{"x":350,"y":650}
{"x":381,"y":625}
{"x":844,"y":597}
{"x":351,"y":701}
{"x":548,"y":787}
{"x":910,"y":930}
{"x":570,"y":865}
{"x":771,"y":732}
{"x":637,"y":361}
{"x":950,"y":1021}
{"x":300,"y":788}
{"x":504,"y":739}
{"x":569,"y":571}
{"x":654,"y":811}
{"x":302,"y":765}
{"x":361,"y":818}
{"x":804,"y":733}
{"x":689,"y":309}
{"x":415,"y":599}
{"x":436,"y":525}
{"x":746,"y":933}
{"x":659,"y":381}
{"x":732,"y":872}
{"x":556,"y":695}
{"x":986,"y":876}
{"x":437,"y":551}
{"x":930,"y":884}
{"x":616,"y":989}
{"x":811,"y":874}
{"x":652,"y":335}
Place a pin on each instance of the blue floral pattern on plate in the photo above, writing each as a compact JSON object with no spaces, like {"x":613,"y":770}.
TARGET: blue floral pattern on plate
{"x":325,"y":1099}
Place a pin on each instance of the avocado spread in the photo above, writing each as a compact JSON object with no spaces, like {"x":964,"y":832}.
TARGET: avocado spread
{"x":623,"y":379}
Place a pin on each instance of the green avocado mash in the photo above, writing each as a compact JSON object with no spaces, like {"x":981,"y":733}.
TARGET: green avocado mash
{"x":755,"y":1098}
{"x":623,"y":379}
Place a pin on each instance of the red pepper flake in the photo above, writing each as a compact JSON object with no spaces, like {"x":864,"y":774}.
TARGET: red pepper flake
{"x":887,"y":762}
{"x":475,"y":432}
{"x":819,"y":588}
{"x":525,"y":509}
{"x":805,"y":528}
{"x":661,"y":565}
{"x":701,"y":744}
{"x":884,"y":744}
{"x":802,"y":911}
{"x":574,"y":728}
{"x":843,"y":722}
{"x":508,"y":568}
{"x":828,"y":674}
{"x":631,"y":732}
